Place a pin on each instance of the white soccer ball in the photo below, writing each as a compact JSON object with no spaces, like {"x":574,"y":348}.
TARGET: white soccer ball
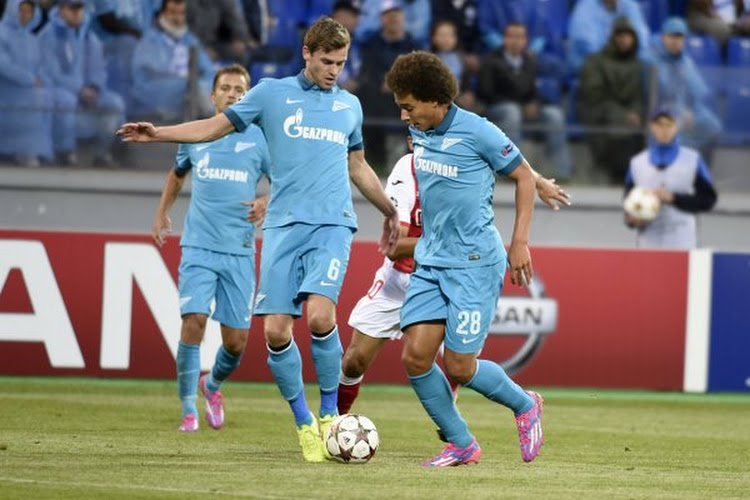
{"x":352,"y":439}
{"x":642,"y":203}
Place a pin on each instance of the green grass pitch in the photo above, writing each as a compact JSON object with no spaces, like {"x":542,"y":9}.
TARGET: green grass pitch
{"x":79,"y":438}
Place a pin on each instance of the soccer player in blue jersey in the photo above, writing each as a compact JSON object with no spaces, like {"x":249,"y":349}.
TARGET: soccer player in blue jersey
{"x":461,"y":259}
{"x":218,"y":247}
{"x":314,"y":133}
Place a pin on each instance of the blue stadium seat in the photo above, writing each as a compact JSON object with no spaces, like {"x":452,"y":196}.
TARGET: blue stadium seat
{"x":704,"y":50}
{"x":736,"y":123}
{"x":548,"y":89}
{"x":556,"y":11}
{"x":294,"y":11}
{"x":738,"y":52}
{"x":285,"y":33}
{"x":654,"y":12}
{"x":317,"y":8}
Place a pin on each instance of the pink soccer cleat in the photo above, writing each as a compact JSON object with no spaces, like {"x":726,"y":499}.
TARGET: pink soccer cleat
{"x":529,"y":426}
{"x":214,"y":405}
{"x":189,"y":423}
{"x":452,"y":456}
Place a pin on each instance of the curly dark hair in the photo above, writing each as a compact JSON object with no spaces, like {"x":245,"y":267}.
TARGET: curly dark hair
{"x":424,"y":76}
{"x":326,"y":34}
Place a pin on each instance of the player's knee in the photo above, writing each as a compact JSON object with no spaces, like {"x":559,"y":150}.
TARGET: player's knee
{"x":458,"y":370}
{"x":236,"y":342}
{"x":414,"y":363}
{"x":353,"y":364}
{"x":193,"y":326}
{"x":320,"y":321}
{"x":277,"y":332}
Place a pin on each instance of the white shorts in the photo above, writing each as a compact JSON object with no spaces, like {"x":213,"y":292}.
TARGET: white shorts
{"x":378,"y":313}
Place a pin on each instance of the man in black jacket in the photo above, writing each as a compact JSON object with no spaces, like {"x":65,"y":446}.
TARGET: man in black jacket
{"x":507,"y":85}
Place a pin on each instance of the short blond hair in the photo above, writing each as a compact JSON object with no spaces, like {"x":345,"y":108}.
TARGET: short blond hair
{"x":327,"y":34}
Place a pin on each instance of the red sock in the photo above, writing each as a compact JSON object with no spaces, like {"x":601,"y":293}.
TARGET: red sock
{"x":347,"y":395}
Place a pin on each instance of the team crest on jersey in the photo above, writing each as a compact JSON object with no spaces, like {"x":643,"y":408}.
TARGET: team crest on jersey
{"x":338,"y":105}
{"x":448,"y":142}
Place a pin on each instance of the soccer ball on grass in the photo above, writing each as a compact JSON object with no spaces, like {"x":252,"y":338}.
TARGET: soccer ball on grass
{"x":642,"y":203}
{"x":352,"y":439}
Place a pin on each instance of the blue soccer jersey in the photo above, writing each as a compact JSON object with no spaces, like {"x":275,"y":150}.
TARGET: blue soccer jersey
{"x":455,"y":165}
{"x":310,"y":133}
{"x":225,"y":173}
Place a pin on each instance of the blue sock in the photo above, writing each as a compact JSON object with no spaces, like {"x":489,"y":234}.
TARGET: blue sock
{"x":491,"y":381}
{"x":188,"y":372}
{"x":286,"y":367}
{"x":326,"y":355}
{"x":435,"y":395}
{"x":224,"y":365}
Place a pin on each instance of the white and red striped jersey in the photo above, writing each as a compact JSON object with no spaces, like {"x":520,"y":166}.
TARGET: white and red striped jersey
{"x":402,"y":189}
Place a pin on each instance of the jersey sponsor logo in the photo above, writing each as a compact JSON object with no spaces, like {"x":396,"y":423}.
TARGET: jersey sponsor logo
{"x":241,"y":146}
{"x":437,"y":168}
{"x":294,"y":101}
{"x":293,"y":128}
{"x":448,"y":142}
{"x":203,"y":171}
{"x":338,"y":106}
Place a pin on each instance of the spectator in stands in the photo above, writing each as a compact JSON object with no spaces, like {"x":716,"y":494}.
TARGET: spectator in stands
{"x":417,"y":18}
{"x":25,"y":95}
{"x":591,"y":24}
{"x":718,"y":19}
{"x":378,"y":54}
{"x":347,"y":13}
{"x":84,"y":107}
{"x":681,"y":86}
{"x":221,"y":28}
{"x":613,"y":94}
{"x":681,"y":181}
{"x":163,"y":80}
{"x":507,"y":84}
{"x":463,"y":14}
{"x":495,"y":15}
{"x":119,"y":24}
{"x":258,"y":20}
{"x":463,"y":66}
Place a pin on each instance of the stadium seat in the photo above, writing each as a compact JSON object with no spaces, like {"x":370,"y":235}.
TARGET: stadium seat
{"x":654,"y":12}
{"x":556,"y":11}
{"x":738,"y":52}
{"x":293,"y":11}
{"x":736,"y":123}
{"x":704,"y":50}
{"x":317,"y":8}
{"x":548,"y":89}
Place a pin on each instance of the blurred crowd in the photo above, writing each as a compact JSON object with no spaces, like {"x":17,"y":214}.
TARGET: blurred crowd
{"x":547,"y":70}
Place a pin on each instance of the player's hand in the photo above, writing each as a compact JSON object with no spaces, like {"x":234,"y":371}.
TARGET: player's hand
{"x":389,"y":238}
{"x":137,"y":132}
{"x":256,"y":213}
{"x":551,"y":194}
{"x":519,"y":262}
{"x":162,"y":227}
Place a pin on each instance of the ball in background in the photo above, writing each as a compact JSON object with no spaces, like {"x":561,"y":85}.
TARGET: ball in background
{"x":352,"y":439}
{"x":642,"y":203}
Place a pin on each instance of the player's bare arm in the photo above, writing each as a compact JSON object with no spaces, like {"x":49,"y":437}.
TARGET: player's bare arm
{"x":404,"y":246}
{"x":362,"y":175}
{"x":207,"y":130}
{"x":519,"y":257}
{"x":256,"y":211}
{"x":162,"y":223}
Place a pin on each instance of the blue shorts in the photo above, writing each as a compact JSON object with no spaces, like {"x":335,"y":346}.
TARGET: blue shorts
{"x":205,"y":275}
{"x":465,"y":298}
{"x":300,"y":259}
